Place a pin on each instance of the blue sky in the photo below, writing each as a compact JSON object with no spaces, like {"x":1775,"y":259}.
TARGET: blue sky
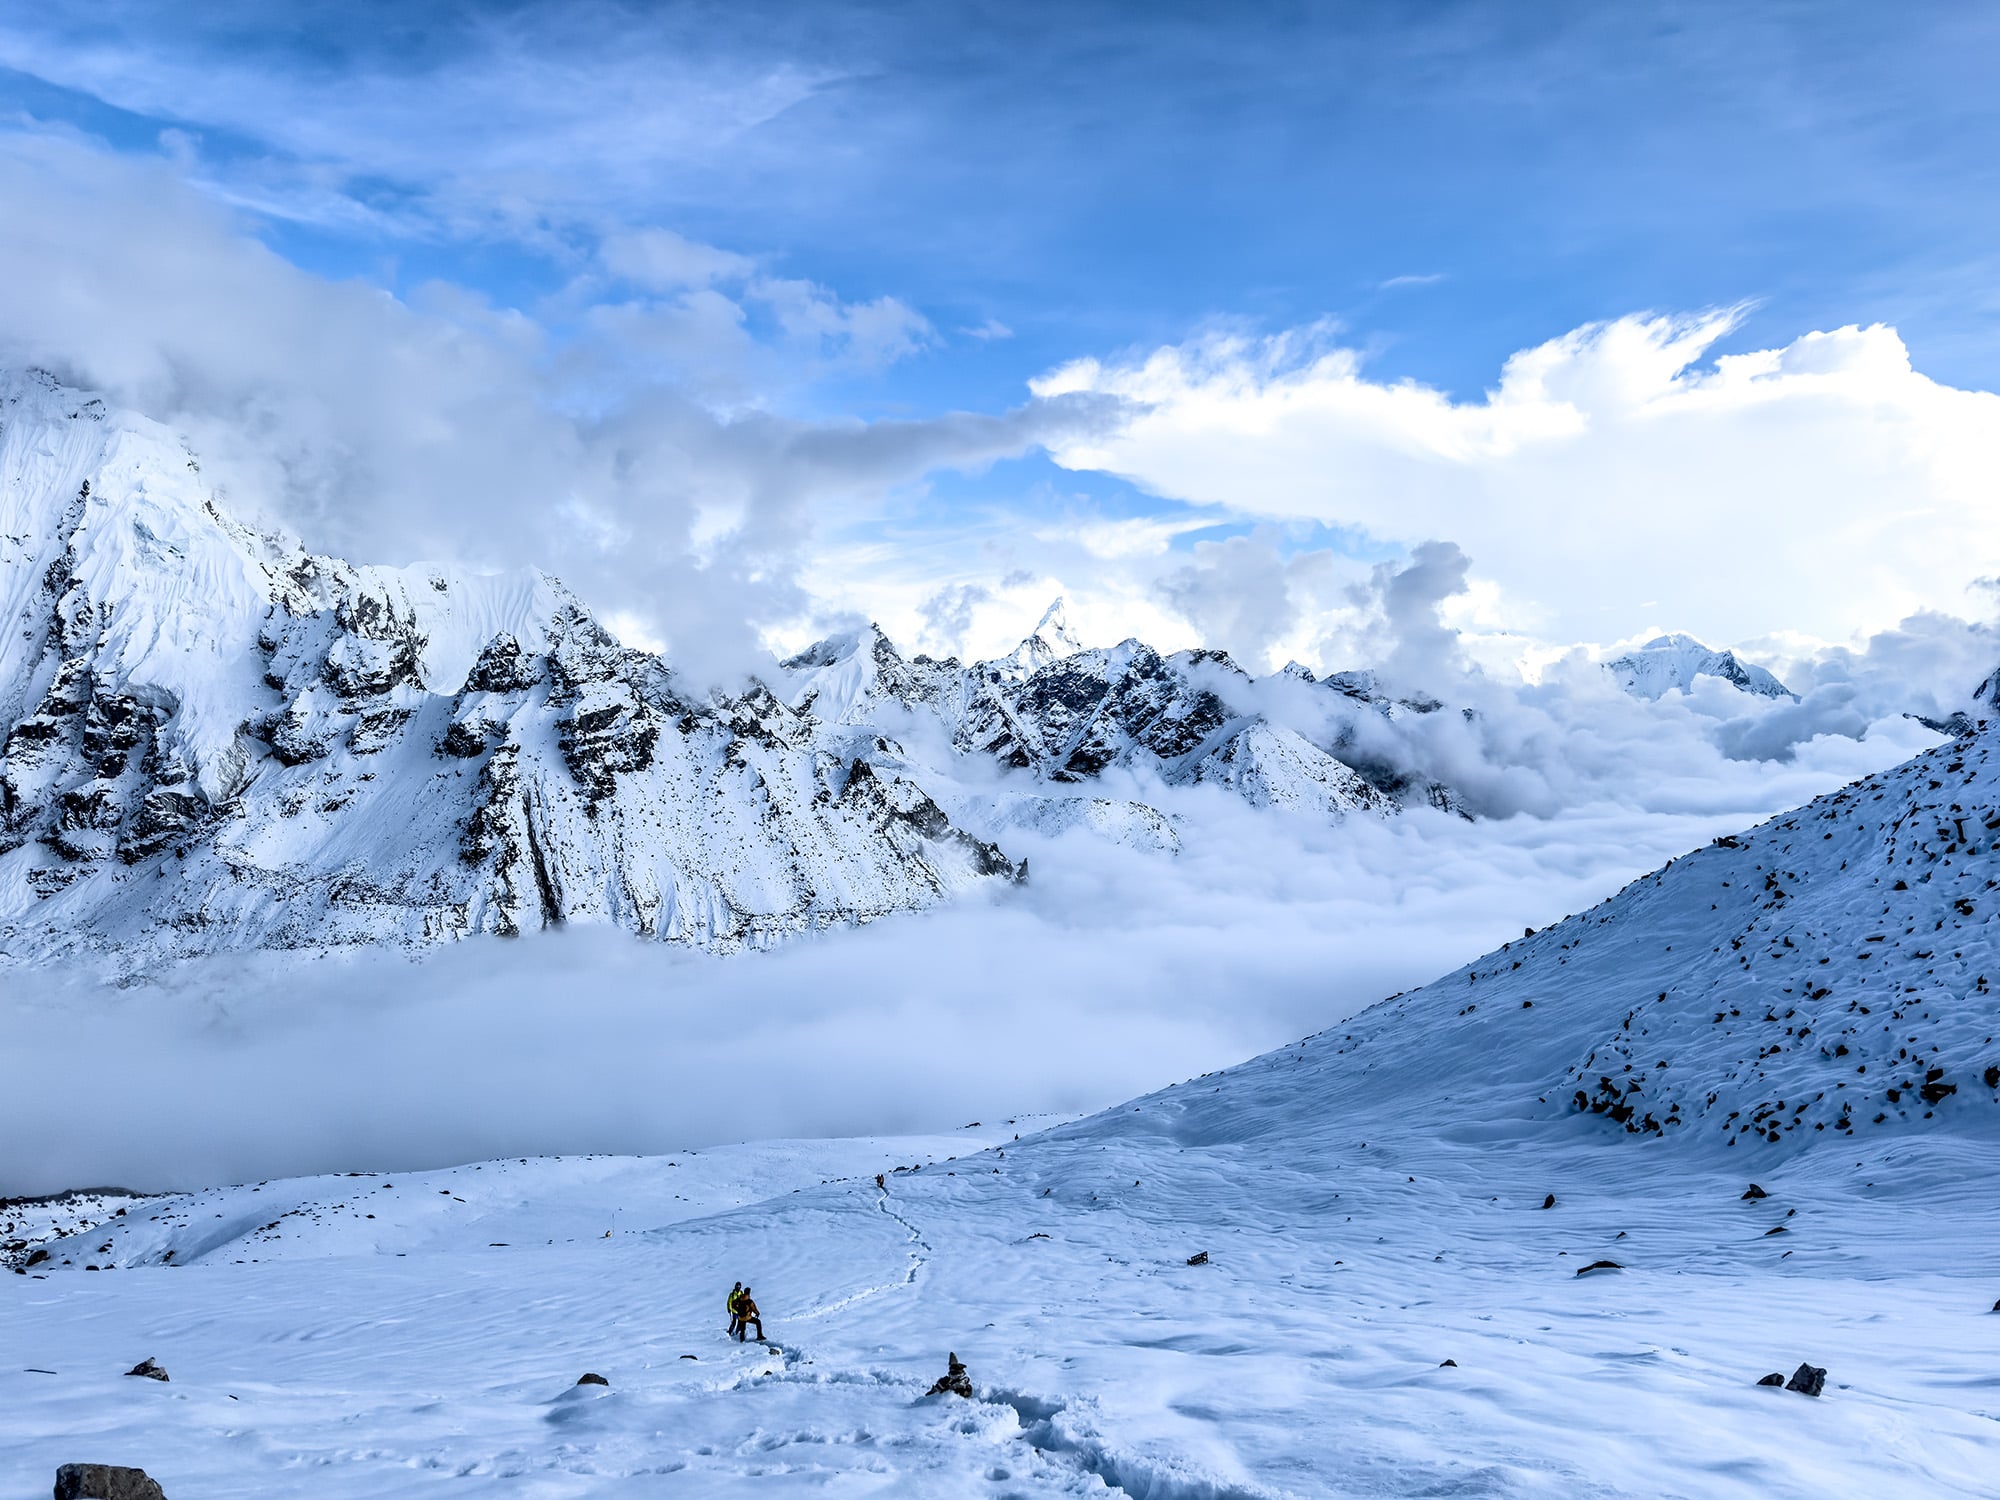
{"x":963,"y":198}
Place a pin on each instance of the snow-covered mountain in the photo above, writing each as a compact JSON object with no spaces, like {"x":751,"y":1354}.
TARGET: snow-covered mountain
{"x":1067,"y":715}
{"x":213,"y":739}
{"x":1670,"y":663}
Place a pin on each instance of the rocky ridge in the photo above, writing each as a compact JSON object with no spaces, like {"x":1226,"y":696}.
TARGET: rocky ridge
{"x":1067,"y":715}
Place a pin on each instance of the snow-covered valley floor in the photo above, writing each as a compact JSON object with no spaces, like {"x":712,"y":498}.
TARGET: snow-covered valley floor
{"x":433,"y":1348}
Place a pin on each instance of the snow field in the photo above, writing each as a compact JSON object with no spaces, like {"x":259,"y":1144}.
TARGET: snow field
{"x":1303,"y":1360}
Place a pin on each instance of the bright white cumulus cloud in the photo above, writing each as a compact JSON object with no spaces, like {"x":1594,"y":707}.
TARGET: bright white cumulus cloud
{"x":1825,"y":487}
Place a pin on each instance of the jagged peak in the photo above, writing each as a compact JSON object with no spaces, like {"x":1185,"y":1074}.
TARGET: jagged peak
{"x":1051,"y":641}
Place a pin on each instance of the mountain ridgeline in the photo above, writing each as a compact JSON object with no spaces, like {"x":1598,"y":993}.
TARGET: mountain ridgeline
{"x":212,"y":739}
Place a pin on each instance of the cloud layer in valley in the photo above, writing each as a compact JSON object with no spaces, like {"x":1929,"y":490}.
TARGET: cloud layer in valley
{"x":1111,"y":971}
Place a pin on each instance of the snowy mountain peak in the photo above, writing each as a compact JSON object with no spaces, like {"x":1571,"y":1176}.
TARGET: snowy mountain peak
{"x":1673,"y":662}
{"x":1051,"y":641}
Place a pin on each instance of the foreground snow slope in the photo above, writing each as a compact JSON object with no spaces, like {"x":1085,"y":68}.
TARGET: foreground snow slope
{"x":1373,"y":1202}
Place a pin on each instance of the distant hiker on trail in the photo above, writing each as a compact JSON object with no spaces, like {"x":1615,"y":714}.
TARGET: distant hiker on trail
{"x":746,"y":1314}
{"x":733,"y":1304}
{"x":880,"y":1185}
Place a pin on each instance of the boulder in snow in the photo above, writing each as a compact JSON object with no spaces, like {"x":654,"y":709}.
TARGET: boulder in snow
{"x":148,"y":1369}
{"x":1807,"y":1380}
{"x":105,"y":1482}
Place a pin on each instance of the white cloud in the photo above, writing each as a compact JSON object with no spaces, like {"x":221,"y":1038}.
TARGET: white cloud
{"x":665,"y":261}
{"x":1109,"y":973}
{"x":388,"y":429}
{"x":1823,"y":487}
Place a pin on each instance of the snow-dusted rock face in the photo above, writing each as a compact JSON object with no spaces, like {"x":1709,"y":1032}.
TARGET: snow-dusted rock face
{"x":1671,"y":663}
{"x":212,"y":739}
{"x":1067,"y":715}
{"x":1830,"y":973}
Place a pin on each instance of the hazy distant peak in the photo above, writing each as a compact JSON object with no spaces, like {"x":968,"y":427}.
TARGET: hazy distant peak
{"x":1672,"y":663}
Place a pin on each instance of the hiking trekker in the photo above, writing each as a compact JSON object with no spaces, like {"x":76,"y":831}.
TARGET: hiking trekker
{"x":746,"y":1314}
{"x":733,"y":1304}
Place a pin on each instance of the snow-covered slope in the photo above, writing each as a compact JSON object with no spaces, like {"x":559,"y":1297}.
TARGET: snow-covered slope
{"x":1670,"y":663}
{"x":1537,"y":1229}
{"x":213,"y":739}
{"x":1831,"y":972}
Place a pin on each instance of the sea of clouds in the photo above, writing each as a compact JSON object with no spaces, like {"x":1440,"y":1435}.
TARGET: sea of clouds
{"x":1110,"y":972}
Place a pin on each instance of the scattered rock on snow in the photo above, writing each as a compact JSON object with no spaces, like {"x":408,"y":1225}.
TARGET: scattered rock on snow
{"x":1450,"y":1364}
{"x":1774,"y":1378}
{"x":954,"y":1381}
{"x":589,"y":1378}
{"x":105,"y":1482}
{"x":1807,"y":1380}
{"x":1753,"y":1192}
{"x":1550,"y":1201}
{"x":1199,"y":1258}
{"x":147,"y":1368}
{"x":1600,"y":1265}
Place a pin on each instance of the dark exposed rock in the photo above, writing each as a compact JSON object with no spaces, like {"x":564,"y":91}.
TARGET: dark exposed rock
{"x":148,"y":1369}
{"x":462,"y":740}
{"x":1199,"y":1258}
{"x":1753,"y":1192}
{"x":105,"y":1482}
{"x":1807,"y":1380}
{"x":1599,"y":1265}
{"x":1774,"y":1378}
{"x":591,"y":1378}
{"x":1450,"y":1364}
{"x":954,"y":1381}
{"x":503,"y":668}
{"x":1550,"y":1201}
